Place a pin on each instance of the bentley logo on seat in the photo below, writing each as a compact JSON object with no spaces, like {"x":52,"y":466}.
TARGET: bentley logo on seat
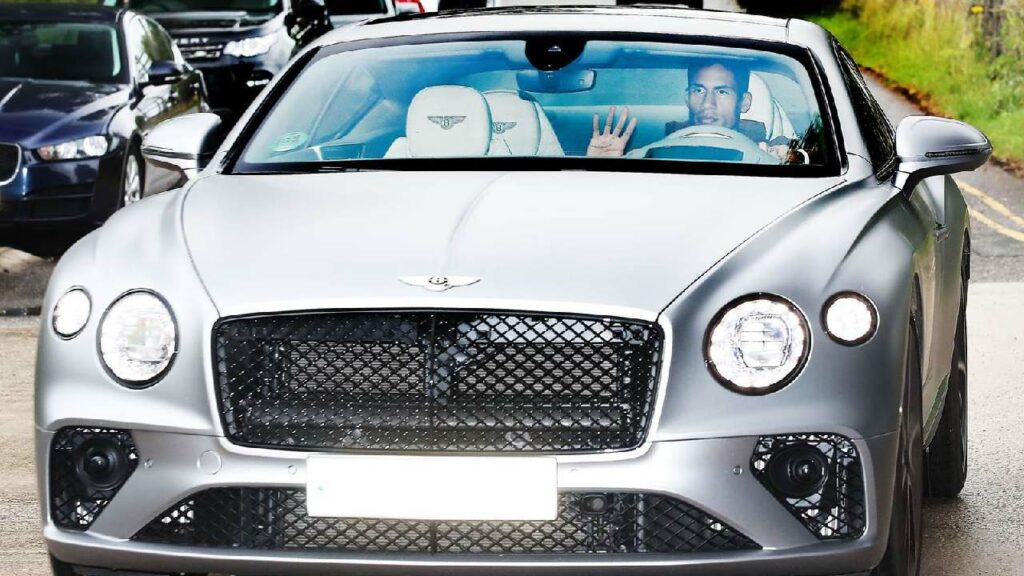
{"x":439,"y":283}
{"x":446,"y":122}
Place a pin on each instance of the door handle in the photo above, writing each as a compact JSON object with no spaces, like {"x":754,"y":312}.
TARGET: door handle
{"x":941,"y":232}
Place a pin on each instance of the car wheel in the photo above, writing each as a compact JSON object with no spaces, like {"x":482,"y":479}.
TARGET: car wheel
{"x":903,"y":552}
{"x":131,"y":179}
{"x":947,"y":453}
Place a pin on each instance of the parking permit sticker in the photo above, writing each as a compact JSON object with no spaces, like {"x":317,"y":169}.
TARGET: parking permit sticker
{"x":289,"y":141}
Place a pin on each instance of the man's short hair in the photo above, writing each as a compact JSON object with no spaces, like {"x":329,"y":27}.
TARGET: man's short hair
{"x":739,"y":71}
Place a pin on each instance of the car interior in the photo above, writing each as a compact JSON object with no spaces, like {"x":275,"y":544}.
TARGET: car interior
{"x":486,"y":99}
{"x":59,"y":51}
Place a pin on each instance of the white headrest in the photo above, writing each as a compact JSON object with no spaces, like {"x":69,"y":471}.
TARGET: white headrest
{"x":762,"y":107}
{"x":448,"y":121}
{"x":515,"y":128}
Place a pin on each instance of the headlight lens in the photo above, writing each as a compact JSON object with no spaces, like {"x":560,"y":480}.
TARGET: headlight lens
{"x":757,"y":344}
{"x":850,"y":318}
{"x":249,"y":47}
{"x":138,"y":338}
{"x":88,"y":147}
{"x":71,"y":313}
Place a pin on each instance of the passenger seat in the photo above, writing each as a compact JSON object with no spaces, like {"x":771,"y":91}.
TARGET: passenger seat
{"x":445,"y":121}
{"x":519,"y":126}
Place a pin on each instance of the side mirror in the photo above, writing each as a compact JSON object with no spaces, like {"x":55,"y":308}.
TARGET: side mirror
{"x":930,"y":146}
{"x":164,"y":72}
{"x":177,"y":149}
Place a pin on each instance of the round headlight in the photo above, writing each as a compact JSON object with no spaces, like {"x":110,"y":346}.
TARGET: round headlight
{"x":757,"y":344}
{"x":138,"y":338}
{"x":850,"y":318}
{"x":71,"y":312}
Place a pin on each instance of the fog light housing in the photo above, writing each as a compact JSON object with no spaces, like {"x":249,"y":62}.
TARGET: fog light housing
{"x":88,"y":466}
{"x":818,"y":478}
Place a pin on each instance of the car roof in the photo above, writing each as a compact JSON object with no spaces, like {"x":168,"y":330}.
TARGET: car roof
{"x":647,"y":19}
{"x":60,"y":12}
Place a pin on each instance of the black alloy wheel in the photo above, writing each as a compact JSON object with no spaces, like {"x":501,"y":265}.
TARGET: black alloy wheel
{"x":903,"y":552}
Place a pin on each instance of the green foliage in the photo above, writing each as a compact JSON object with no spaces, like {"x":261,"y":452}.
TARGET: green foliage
{"x":938,"y":50}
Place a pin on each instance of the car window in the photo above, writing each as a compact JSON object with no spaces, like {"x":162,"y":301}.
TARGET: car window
{"x":532,"y":98}
{"x":875,"y":127}
{"x":60,"y":51}
{"x":158,"y":43}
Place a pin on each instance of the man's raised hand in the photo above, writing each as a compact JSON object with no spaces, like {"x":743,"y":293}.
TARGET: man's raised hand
{"x":609,"y":143}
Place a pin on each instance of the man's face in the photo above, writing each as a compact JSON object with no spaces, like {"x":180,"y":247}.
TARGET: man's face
{"x":714,"y":97}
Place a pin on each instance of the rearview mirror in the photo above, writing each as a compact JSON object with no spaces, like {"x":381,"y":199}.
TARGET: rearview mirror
{"x":164,"y":72}
{"x":930,"y":146}
{"x":556,"y":82}
{"x":177,"y":149}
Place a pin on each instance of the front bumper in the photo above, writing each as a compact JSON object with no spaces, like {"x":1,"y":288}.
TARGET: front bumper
{"x":66,"y":194}
{"x":712,"y":474}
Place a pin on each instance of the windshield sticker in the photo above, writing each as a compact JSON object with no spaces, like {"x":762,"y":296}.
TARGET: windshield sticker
{"x":289,"y":141}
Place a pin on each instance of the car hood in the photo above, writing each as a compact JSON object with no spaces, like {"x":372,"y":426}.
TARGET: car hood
{"x":619,"y":244}
{"x":34,"y":113}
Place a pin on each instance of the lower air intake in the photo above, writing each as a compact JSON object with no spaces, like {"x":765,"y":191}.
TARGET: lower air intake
{"x":831,"y":503}
{"x":587,"y":523}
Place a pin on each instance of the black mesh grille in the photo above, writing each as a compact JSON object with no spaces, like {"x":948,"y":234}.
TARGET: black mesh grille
{"x":437,"y":381}
{"x":276,"y":519}
{"x":75,"y":503}
{"x":836,"y":510}
{"x":10,"y":159}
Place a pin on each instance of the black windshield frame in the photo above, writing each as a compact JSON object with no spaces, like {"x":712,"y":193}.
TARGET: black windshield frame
{"x":835,"y":160}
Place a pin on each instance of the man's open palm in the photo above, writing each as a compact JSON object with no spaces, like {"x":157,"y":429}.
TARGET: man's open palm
{"x":611,"y":143}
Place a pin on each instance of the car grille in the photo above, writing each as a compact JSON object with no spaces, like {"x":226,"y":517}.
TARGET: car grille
{"x":437,"y":381}
{"x":587,"y":523}
{"x":10,"y":161}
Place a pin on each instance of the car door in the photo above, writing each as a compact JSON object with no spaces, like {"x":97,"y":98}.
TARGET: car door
{"x":926,"y":202}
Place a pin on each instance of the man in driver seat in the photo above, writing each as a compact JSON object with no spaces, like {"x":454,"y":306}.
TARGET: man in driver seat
{"x":716,"y":96}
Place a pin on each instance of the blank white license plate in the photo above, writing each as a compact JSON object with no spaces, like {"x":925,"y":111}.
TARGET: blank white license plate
{"x":432,"y":487}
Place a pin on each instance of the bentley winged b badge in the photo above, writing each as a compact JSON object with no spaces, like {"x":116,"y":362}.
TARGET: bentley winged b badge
{"x":446,"y":122}
{"x":439,"y":283}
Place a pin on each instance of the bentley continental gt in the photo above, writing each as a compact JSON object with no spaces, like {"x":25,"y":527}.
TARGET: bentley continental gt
{"x":550,"y":290}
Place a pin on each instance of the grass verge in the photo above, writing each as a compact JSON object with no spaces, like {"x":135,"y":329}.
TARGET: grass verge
{"x":934,"y":56}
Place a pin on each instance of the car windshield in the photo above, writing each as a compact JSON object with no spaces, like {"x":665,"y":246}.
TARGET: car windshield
{"x":59,"y":51}
{"x":157,"y":6}
{"x":545,"y":98}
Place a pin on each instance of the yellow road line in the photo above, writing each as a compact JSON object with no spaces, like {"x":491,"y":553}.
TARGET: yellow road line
{"x":1009,"y":232}
{"x":991,"y":202}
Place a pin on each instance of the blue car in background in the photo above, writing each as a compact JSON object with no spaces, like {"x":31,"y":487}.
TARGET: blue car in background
{"x":79,"y":87}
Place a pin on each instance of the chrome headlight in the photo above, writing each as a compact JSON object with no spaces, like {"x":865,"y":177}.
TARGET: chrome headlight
{"x":249,"y":47}
{"x":88,"y":147}
{"x":850,"y":318}
{"x":71,"y":313}
{"x":138,"y":338}
{"x":757,"y":344}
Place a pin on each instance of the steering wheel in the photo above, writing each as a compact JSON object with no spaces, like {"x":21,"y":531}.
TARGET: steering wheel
{"x":713,"y":136}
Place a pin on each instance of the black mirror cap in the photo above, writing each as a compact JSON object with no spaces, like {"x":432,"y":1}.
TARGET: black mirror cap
{"x":164,"y":72}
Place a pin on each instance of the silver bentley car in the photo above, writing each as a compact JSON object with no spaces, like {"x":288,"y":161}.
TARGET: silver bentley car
{"x":619,"y":291}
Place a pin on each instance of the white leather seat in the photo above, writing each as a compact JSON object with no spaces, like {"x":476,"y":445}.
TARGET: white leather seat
{"x":445,"y":122}
{"x":519,"y":127}
{"x":766,"y":110}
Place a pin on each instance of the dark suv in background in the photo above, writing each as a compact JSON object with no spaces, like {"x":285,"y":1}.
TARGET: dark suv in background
{"x":240,"y":44}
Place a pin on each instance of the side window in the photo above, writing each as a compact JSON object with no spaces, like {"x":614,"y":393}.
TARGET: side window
{"x":140,"y":59}
{"x":875,"y":126}
{"x":159,"y":44}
